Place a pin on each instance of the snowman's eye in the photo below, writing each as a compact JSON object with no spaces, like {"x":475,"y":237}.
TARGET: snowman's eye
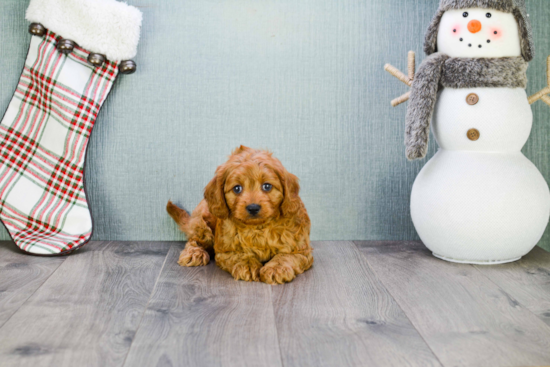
{"x":465,"y":14}
{"x":488,"y":15}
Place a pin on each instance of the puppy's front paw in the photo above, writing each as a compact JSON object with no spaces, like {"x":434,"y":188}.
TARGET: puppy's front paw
{"x":194,"y":256}
{"x":274,"y":273}
{"x":247,"y":269}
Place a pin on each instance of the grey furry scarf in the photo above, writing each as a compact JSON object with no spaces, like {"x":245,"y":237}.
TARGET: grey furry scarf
{"x":441,"y":71}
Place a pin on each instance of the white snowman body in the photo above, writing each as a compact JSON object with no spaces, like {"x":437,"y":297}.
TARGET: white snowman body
{"x":479,"y":199}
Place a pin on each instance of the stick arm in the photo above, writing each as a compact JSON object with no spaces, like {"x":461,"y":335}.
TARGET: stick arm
{"x":543,"y":94}
{"x":405,"y":79}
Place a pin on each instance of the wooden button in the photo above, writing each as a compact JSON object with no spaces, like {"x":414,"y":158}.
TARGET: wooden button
{"x":473,"y":134}
{"x":472,"y":99}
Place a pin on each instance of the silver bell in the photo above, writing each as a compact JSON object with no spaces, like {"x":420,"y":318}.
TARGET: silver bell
{"x":127,"y":67}
{"x":65,"y":46}
{"x":96,"y":59}
{"x":37,"y":29}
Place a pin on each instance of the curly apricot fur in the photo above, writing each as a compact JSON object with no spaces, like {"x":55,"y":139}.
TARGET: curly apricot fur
{"x":193,"y":255}
{"x":271,"y":246}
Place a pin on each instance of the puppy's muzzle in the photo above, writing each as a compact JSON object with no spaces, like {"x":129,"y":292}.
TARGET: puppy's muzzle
{"x":253,"y":209}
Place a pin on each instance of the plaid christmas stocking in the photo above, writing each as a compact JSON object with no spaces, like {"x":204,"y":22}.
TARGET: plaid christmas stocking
{"x":73,"y":61}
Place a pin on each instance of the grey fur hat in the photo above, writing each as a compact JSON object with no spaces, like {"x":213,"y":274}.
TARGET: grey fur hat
{"x":516,"y":7}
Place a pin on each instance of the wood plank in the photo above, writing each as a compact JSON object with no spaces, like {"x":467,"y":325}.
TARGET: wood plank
{"x":87,"y":312}
{"x":466,"y":319}
{"x":20,"y":276}
{"x":339,"y":314}
{"x":202,"y":317}
{"x":527,"y":280}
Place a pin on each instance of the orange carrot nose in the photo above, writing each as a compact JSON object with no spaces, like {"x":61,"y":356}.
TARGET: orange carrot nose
{"x":474,"y":26}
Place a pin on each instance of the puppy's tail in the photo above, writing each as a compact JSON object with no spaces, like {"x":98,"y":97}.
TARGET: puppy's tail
{"x":180,"y":216}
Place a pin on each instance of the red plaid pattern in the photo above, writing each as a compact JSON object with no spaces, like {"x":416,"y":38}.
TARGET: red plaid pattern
{"x":43,"y":140}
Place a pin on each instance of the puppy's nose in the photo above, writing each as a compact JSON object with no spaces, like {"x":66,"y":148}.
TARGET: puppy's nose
{"x":253,"y":209}
{"x":474,"y":26}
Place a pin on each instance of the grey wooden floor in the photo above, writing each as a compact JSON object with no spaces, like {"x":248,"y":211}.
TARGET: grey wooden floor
{"x":362,"y":304}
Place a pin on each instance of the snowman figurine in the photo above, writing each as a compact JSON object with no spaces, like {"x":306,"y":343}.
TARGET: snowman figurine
{"x":479,"y":200}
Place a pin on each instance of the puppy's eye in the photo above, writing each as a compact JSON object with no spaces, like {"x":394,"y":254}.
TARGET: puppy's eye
{"x":267,"y":187}
{"x":465,"y":14}
{"x":238,"y":189}
{"x":488,"y":15}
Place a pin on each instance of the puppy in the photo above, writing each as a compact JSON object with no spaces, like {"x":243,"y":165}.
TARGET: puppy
{"x":253,"y":218}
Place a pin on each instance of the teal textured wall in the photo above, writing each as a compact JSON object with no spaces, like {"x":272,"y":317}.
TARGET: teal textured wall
{"x":302,"y":78}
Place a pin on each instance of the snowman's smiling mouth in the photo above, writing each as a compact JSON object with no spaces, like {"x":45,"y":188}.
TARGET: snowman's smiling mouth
{"x":470,"y":44}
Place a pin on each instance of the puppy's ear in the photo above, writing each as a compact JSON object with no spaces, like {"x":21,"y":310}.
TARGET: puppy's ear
{"x":215,"y":196}
{"x":291,"y":201}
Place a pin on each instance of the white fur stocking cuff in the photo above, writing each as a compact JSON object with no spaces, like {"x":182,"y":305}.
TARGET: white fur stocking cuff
{"x":106,"y":27}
